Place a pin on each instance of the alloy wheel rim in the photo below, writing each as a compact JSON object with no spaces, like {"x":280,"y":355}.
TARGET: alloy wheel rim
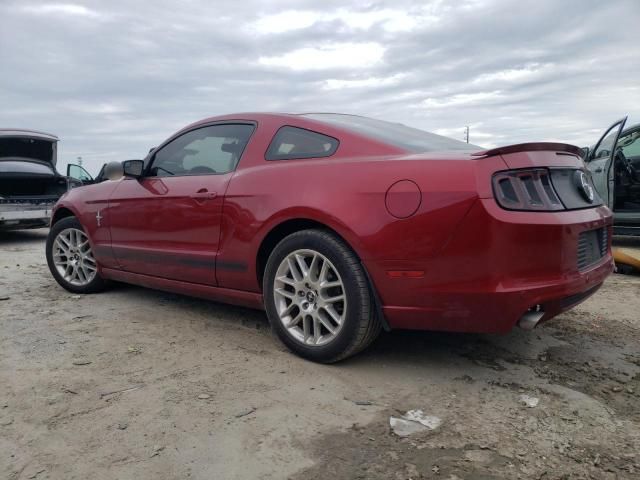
{"x":310,"y":297}
{"x":73,"y":257}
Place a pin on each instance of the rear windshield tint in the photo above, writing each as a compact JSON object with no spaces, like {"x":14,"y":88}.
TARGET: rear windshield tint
{"x":396,"y":134}
{"x":7,"y":166}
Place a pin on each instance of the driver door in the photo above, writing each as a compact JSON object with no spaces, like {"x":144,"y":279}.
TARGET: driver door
{"x":79,"y":173}
{"x":627,"y":214}
{"x":600,"y":162}
{"x":167,"y":223}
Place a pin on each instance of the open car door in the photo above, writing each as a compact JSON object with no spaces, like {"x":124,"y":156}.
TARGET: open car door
{"x":79,"y":173}
{"x":600,"y":162}
{"x":626,"y":172}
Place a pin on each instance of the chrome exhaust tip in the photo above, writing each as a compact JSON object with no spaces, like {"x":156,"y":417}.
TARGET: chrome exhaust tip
{"x":530,"y":319}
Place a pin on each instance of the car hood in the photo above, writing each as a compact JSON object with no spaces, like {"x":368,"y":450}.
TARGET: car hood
{"x":26,"y":145}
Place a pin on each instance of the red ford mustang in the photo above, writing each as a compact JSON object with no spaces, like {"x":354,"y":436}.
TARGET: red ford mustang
{"x":340,"y":226}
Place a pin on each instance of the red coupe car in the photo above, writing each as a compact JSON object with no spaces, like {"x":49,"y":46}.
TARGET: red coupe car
{"x":340,"y":226}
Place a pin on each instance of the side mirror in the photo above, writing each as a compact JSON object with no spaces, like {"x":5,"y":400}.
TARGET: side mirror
{"x":585,"y":152}
{"x":133,"y":168}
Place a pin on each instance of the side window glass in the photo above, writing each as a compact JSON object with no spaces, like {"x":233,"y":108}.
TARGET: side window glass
{"x":604,"y":149}
{"x":630,"y":144}
{"x":293,"y":142}
{"x":208,"y":150}
{"x":79,"y":173}
{"x":610,"y":140}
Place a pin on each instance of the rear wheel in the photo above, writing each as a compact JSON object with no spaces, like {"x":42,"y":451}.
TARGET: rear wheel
{"x":317,"y":297}
{"x":70,"y":257}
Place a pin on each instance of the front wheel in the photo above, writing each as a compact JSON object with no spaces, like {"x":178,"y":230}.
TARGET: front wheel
{"x":317,"y":297}
{"x":70,"y":257}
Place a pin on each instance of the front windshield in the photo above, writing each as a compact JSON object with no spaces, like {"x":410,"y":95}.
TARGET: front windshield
{"x":396,"y":134}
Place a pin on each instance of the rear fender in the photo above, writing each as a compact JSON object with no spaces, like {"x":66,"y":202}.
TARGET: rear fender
{"x":313,"y":215}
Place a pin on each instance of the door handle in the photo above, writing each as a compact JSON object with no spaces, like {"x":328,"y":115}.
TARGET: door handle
{"x":598,"y":170}
{"x":204,"y":194}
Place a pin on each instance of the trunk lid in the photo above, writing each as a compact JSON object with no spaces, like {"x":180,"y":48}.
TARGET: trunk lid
{"x":27,"y":168}
{"x":538,"y":154}
{"x":28,"y":145}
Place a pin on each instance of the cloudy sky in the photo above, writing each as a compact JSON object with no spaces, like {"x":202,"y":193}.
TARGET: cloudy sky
{"x":113,"y":78}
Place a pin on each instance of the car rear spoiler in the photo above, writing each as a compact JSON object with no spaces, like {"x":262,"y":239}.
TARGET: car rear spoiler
{"x":531,"y":147}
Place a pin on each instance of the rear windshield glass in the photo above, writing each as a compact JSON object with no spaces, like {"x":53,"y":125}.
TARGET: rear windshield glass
{"x":25,"y":167}
{"x":396,"y":134}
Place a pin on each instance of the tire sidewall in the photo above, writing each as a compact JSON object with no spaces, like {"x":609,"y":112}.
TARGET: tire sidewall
{"x":357,"y":299}
{"x":69,"y":222}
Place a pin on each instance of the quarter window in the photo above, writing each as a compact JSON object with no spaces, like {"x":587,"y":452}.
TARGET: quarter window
{"x":208,"y":150}
{"x":293,"y":142}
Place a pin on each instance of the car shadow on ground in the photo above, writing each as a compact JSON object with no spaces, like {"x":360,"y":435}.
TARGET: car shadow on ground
{"x":564,"y":350}
{"x":397,"y":347}
{"x":567,"y":351}
{"x":23,"y":236}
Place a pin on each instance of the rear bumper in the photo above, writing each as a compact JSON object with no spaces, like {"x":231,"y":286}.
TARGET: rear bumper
{"x":496,"y":311}
{"x":631,"y":230}
{"x":497,"y":266}
{"x":21,"y":216}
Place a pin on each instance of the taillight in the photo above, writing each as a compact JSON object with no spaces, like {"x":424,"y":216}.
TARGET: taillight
{"x":526,"y":190}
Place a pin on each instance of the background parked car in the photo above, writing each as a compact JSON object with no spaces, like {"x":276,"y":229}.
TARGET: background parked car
{"x":29,"y":182}
{"x":614,"y":164}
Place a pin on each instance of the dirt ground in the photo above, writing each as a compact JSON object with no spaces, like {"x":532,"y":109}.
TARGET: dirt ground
{"x":137,"y":384}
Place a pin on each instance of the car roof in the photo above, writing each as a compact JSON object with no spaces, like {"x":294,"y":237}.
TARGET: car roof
{"x":249,"y":116}
{"x":299,"y":118}
{"x":25,"y":133}
{"x":257,"y":116}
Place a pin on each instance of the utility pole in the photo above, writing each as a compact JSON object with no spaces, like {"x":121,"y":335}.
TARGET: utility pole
{"x":466,"y":134}
{"x":80,"y":160}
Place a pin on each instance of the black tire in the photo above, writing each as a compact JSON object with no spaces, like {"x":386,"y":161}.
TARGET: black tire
{"x":96,"y":285}
{"x":361,"y":324}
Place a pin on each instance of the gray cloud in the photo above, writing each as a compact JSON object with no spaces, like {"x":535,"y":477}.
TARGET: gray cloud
{"x":114,"y":78}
